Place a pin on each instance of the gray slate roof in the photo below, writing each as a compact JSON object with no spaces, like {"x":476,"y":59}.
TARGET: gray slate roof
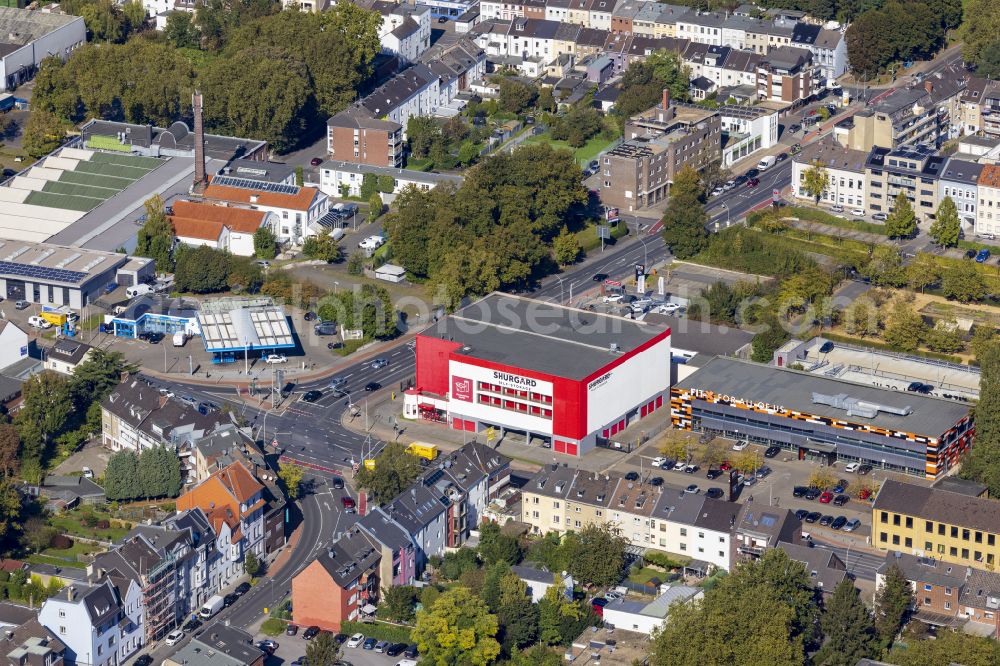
{"x":940,"y":506}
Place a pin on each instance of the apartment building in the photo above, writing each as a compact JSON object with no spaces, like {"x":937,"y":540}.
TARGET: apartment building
{"x":946,"y":594}
{"x":658,"y":143}
{"x":912,"y":170}
{"x":828,"y":47}
{"x":559,"y":499}
{"x":694,"y":525}
{"x":62,"y":357}
{"x":847,"y":178}
{"x":295,"y":208}
{"x":405,"y":30}
{"x":746,"y":129}
{"x":759,"y":528}
{"x":353,"y":135}
{"x":907,"y":116}
{"x":136,"y":417}
{"x":959,"y":181}
{"x":787,"y":75}
{"x":31,"y":644}
{"x":930,"y":522}
{"x":86,"y":619}
{"x":988,"y":213}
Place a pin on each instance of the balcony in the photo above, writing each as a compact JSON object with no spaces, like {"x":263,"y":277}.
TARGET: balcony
{"x":751,"y":551}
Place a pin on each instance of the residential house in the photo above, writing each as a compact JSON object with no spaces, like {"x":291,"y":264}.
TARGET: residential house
{"x":31,"y":644}
{"x":694,"y":526}
{"x":906,"y":116}
{"x":959,"y":181}
{"x":828,"y":47}
{"x":988,"y":214}
{"x":456,"y":65}
{"x":221,"y":227}
{"x":559,"y":499}
{"x":14,"y":615}
{"x":86,"y":618}
{"x":136,"y":417}
{"x":947,"y":594}
{"x":218,"y":644}
{"x":233,"y":501}
{"x":405,"y":30}
{"x":294,"y":207}
{"x":14,"y":344}
{"x":701,"y":27}
{"x":759,"y":528}
{"x":648,"y":617}
{"x":913,"y":170}
{"x":355,"y":135}
{"x":845,"y":171}
{"x":666,"y":23}
{"x":787,"y":75}
{"x":556,"y":10}
{"x":337,"y":176}
{"x":65,"y":355}
{"x":538,"y":581}
{"x":398,"y":564}
{"x":66,"y":492}
{"x":825,"y":569}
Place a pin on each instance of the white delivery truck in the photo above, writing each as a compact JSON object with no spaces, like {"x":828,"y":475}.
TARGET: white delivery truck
{"x":179,"y":339}
{"x":138,"y":290}
{"x":766,"y":163}
{"x":211,"y":607}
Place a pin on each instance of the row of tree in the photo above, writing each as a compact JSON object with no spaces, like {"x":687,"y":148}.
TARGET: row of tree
{"x":154,"y":473}
{"x":899,"y":30}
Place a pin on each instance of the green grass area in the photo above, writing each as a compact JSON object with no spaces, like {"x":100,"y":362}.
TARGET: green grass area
{"x":72,"y":523}
{"x":584,"y":154}
{"x":96,"y":180}
{"x":107,"y":169}
{"x":588,"y":239}
{"x":821,"y":216}
{"x":55,"y":561}
{"x":419,"y":163}
{"x":272,"y":626}
{"x":377,"y":630}
{"x":98,"y":142}
{"x":646,"y":574}
{"x":64,"y":201}
{"x":350,"y":346}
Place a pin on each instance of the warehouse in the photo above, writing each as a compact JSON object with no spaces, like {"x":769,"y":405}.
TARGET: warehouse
{"x":58,"y":275}
{"x":821,"y":418}
{"x":539,"y":372}
{"x":27,"y":37}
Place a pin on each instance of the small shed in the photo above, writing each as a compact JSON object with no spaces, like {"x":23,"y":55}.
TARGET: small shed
{"x":390,"y":273}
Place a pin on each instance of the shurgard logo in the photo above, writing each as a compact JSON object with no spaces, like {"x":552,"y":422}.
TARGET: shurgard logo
{"x":461,"y":389}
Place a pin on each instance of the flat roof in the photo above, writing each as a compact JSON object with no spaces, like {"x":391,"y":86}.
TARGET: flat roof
{"x":230,"y":324}
{"x":541,"y":336}
{"x":793,"y":390}
{"x":54,"y":264}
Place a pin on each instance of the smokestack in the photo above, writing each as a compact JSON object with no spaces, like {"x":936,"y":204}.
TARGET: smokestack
{"x":199,"y":141}
{"x":666,"y":99}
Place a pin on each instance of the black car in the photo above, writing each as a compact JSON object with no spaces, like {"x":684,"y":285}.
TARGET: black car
{"x":690,"y":469}
{"x":230,"y":600}
{"x":411,"y":651}
{"x":143,"y":660}
{"x":656,"y":481}
{"x":714,"y":493}
{"x":781,"y":157}
{"x":370,"y":643}
{"x":309,"y":316}
{"x":338,"y":483}
{"x":813,"y":516}
{"x":191,"y":625}
{"x":838,"y":522}
{"x":600,"y":277}
{"x":152,"y":337}
{"x":792,"y":129}
{"x":310,"y":633}
{"x":291,"y":629}
{"x":395,"y":649}
{"x":372,"y":386}
{"x":826,"y":347}
{"x":920,"y":387}
{"x":841,"y":500}
{"x":813,"y":493}
{"x":340,"y":639}
{"x":632,"y":476}
{"x":714,"y":473}
{"x":801,"y":514}
{"x":312,"y":396}
{"x":752,"y":173}
{"x":242,"y":589}
{"x":799,"y":491}
{"x":864,"y":469}
{"x":826,"y":520}
{"x":772,"y":451}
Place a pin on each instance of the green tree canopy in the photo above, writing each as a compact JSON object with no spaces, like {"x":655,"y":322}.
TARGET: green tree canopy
{"x":495,"y":546}
{"x":902,"y":222}
{"x":395,"y":470}
{"x":201,"y":270}
{"x":155,"y":238}
{"x":946,"y":227}
{"x":121,"y":477}
{"x":982,"y":461}
{"x":685,"y":219}
{"x":892,"y":604}
{"x":516,"y":96}
{"x":323,"y":247}
{"x":816,"y":180}
{"x":848,"y":627}
{"x":963,"y":283}
{"x":904,"y":328}
{"x":457,"y":629}
{"x":265,"y":244}
{"x":323,"y":650}
{"x":46,"y":409}
{"x":644,"y":81}
{"x":596,"y":554}
{"x":948,"y":646}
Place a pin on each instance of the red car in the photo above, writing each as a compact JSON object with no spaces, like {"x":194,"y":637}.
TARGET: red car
{"x":725,"y":466}
{"x":348,"y":502}
{"x":316,"y":161}
{"x":753,"y":182}
{"x":826,"y":497}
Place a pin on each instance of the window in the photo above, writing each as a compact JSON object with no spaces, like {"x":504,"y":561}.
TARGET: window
{"x":928,"y":588}
{"x":896,"y":519}
{"x":909,"y":523}
{"x":883,"y":537}
{"x":895,"y":539}
{"x":908,"y":542}
{"x":954,"y":532}
{"x":929,"y":527}
{"x":947,"y":591}
{"x":965,"y":553}
{"x":684,"y":531}
{"x":965,"y":535}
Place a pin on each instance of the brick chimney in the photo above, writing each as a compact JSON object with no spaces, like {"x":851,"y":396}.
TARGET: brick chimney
{"x":200,"y":181}
{"x":666,"y":99}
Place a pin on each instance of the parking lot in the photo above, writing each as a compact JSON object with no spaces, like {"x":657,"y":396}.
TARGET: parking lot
{"x":291,"y":648}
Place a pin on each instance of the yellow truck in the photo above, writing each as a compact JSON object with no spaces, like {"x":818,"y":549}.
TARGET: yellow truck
{"x":369,"y":464}
{"x":421,"y":450}
{"x":57,"y":316}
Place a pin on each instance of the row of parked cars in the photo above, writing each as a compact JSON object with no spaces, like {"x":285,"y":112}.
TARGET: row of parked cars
{"x":838,"y":523}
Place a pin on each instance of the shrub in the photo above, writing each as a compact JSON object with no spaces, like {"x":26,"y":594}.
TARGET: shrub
{"x":103,"y":524}
{"x":272,"y":626}
{"x":61,"y":542}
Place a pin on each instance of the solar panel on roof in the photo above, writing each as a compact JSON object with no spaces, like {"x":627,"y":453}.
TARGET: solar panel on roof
{"x":41,"y":272}
{"x":259,"y":185}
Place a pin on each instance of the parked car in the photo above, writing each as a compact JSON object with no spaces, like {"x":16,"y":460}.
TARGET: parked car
{"x":880,"y":217}
{"x":152,"y":337}
{"x":291,"y":629}
{"x":87,"y":473}
{"x":799,"y":491}
{"x":813,"y":516}
{"x":355,"y":640}
{"x":772,"y":451}
{"x":852,"y":525}
{"x":841,"y":500}
{"x":242,"y":589}
{"x":692,"y":489}
{"x":858,"y":212}
{"x":740,"y":445}
{"x":801,"y":514}
{"x":656,"y":481}
{"x":792,"y":129}
{"x":714,"y":493}
{"x":836,"y":209}
{"x":752,"y":183}
{"x":838,"y":522}
{"x":395,"y":649}
{"x":632,"y":476}
{"x":690,"y":469}
{"x":143,"y":660}
{"x":658,"y":461}
{"x":864,"y":469}
{"x":763,"y":472}
{"x":340,"y":639}
{"x":795,"y":149}
{"x":714,"y":474}
{"x":679,"y":466}
{"x":725,"y":466}
{"x":311,"y":632}
{"x":613,"y":298}
{"x":813,"y":493}
{"x":325,"y":328}
{"x":851,"y":468}
{"x":192,"y":624}
{"x":369,"y":643}
{"x":982,"y":256}
{"x":229,"y":600}
{"x":267,"y":645}
{"x":175,"y":637}
{"x":919,"y":387}
{"x":275,"y":358}
{"x":381,"y":646}
{"x":826,"y":520}
{"x":316,"y":161}
{"x":411,"y":651}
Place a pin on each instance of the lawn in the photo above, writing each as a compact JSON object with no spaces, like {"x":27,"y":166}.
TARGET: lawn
{"x":589,"y":151}
{"x":646,"y":574}
{"x":72,"y":523}
{"x":67,"y":557}
{"x":589,"y":240}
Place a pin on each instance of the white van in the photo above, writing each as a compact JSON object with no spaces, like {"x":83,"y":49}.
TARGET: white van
{"x":406,"y":662}
{"x":766,"y":163}
{"x":138,"y":290}
{"x":179,"y":339}
{"x":37,"y":322}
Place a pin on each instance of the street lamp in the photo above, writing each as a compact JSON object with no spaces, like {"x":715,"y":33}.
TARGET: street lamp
{"x":645,"y":256}
{"x":727,"y":214}
{"x":560,"y":289}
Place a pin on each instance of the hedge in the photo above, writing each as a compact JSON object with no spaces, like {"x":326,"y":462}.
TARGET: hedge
{"x":377,"y":630}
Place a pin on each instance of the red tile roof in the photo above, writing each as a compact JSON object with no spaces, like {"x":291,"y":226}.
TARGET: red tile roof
{"x":298,"y":201}
{"x":221,"y":495}
{"x":243,"y":220}
{"x":990,"y":177}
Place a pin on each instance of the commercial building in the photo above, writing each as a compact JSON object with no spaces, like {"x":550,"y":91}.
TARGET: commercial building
{"x":56,"y":275}
{"x":31,"y":36}
{"x":658,"y":143}
{"x":912,"y":170}
{"x":931,"y":522}
{"x":647,"y":617}
{"x":746,"y":130}
{"x":218,"y":644}
{"x":236,"y":326}
{"x":845,"y":170}
{"x":220,"y":227}
{"x":906,"y":116}
{"x":335,"y":175}
{"x":154,"y":313}
{"x":822,"y":418}
{"x":539,"y":372}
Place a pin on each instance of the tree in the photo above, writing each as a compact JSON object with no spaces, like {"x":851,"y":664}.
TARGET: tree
{"x":684,"y":219}
{"x":904,"y":329}
{"x":816,"y":180}
{"x":566,"y":248}
{"x":596,"y":554}
{"x":323,"y":650}
{"x":863,"y":318}
{"x":495,"y":546}
{"x":244,"y":274}
{"x":645,"y":80}
{"x":518,"y":616}
{"x":291,"y":476}
{"x":848,"y":628}
{"x":395,"y":470}
{"x":885,"y":268}
{"x":581,"y":123}
{"x":983,"y":338}
{"x":982,"y":461}
{"x":923,"y":272}
{"x":456,"y":563}
{"x":902,"y":222}
{"x":457,"y":629}
{"x":155,"y":239}
{"x":94,"y":379}
{"x":979,"y":30}
{"x":771,"y":336}
{"x":10,"y":449}
{"x":10,"y":513}
{"x":159,"y":473}
{"x":265,"y":244}
{"x":121,"y":478}
{"x":516,"y":96}
{"x":948,"y":646}
{"x":323,"y":247}
{"x":398,"y":601}
{"x":201,"y":270}
{"x":892,"y":603}
{"x":386,"y":184}
{"x":181,"y":30}
{"x":374,"y":206}
{"x":561,"y":620}
{"x":946,"y":226}
{"x":43,"y":133}
{"x":46,"y":406}
{"x":988,"y":66}
{"x":944,"y":337}
{"x":251,"y":565}
{"x":964,"y":283}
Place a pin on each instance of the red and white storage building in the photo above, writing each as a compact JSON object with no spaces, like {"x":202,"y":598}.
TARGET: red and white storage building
{"x":561,"y":376}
